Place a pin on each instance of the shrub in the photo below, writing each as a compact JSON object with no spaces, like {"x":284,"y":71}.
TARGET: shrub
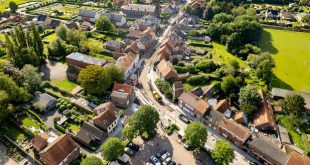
{"x":198,"y":80}
{"x":206,"y":66}
{"x":185,"y":69}
{"x":164,"y":87}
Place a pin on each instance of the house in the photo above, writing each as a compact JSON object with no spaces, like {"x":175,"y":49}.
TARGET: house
{"x":139,"y":10}
{"x":164,"y":53}
{"x":14,"y":18}
{"x":114,"y":46}
{"x":207,"y":40}
{"x":213,"y":118}
{"x":134,"y":34}
{"x":129,"y":63}
{"x":77,"y":61}
{"x":267,"y":152}
{"x":198,"y":91}
{"x":62,"y":151}
{"x":192,"y":104}
{"x":146,"y":40}
{"x":241,"y":118}
{"x":27,"y":19}
{"x":197,"y":3}
{"x":54,"y":24}
{"x":122,"y":95}
{"x":296,"y":158}
{"x":271,"y":14}
{"x":264,"y":118}
{"x":209,"y":91}
{"x":300,"y":16}
{"x":293,"y":5}
{"x":81,"y":60}
{"x":133,"y":47}
{"x":287,"y":16}
{"x":147,"y":21}
{"x":108,"y":117}
{"x":89,"y":134}
{"x":72,"y":25}
{"x":85,"y":25}
{"x":170,"y":9}
{"x":166,"y":71}
{"x":87,"y":15}
{"x":42,"y":20}
{"x":177,"y":89}
{"x":222,"y":106}
{"x":118,"y":19}
{"x":39,"y":142}
{"x":44,"y":101}
{"x":236,"y":133}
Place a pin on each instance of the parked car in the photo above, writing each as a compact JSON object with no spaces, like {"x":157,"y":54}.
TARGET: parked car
{"x":184,"y":119}
{"x":186,"y":146}
{"x":172,"y":163}
{"x":133,"y":146}
{"x":167,"y":161}
{"x":155,"y":160}
{"x":165,"y":156}
{"x":124,"y":158}
{"x":129,"y":151}
{"x":160,"y":153}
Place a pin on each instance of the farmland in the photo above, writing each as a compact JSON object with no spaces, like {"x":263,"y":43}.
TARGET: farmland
{"x":291,"y":52}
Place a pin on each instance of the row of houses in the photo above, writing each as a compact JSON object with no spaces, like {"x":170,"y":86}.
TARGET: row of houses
{"x":283,"y":15}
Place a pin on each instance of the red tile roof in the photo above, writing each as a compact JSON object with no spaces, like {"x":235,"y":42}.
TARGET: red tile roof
{"x":58,"y":150}
{"x":298,"y":159}
{"x":222,"y":106}
{"x":166,"y":70}
{"x":236,"y":129}
{"x":40,"y":141}
{"x":105,"y":119}
{"x":122,"y":87}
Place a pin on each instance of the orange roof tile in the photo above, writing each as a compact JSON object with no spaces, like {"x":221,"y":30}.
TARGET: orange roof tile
{"x":236,"y":129}
{"x":40,"y":141}
{"x":166,"y":69}
{"x":222,"y":106}
{"x":298,"y":159}
{"x":123,"y":87}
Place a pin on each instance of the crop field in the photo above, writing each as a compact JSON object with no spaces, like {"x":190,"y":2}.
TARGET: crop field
{"x":291,"y":52}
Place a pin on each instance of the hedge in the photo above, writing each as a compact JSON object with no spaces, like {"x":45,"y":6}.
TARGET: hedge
{"x":36,"y":116}
{"x":198,"y":80}
{"x":60,"y":128}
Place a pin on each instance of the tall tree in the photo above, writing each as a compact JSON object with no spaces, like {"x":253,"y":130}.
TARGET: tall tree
{"x":293,"y":104}
{"x":32,"y":78}
{"x":37,"y":41}
{"x":104,"y":24}
{"x":13,"y":6}
{"x":61,"y":32}
{"x":115,"y":73}
{"x":196,"y":135}
{"x":93,"y":160}
{"x":112,"y":149}
{"x":223,"y":153}
{"x":229,"y":85}
{"x":249,"y":100}
{"x":94,"y":79}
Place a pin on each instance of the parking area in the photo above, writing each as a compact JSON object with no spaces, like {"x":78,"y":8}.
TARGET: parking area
{"x":170,"y":144}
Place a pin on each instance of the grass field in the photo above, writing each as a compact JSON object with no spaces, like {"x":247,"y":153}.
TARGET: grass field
{"x":291,"y":52}
{"x":5,"y":3}
{"x":64,"y":84}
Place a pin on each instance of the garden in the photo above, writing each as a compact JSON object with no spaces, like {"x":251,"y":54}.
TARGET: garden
{"x":64,"y":84}
{"x":291,"y":52}
{"x":73,"y":117}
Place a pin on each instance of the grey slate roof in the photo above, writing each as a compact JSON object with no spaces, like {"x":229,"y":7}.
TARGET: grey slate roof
{"x":87,"y":13}
{"x":44,"y":99}
{"x":285,"y":138}
{"x":89,"y":132}
{"x":139,"y":7}
{"x":269,"y":150}
{"x":86,"y":59}
{"x":214,"y":117}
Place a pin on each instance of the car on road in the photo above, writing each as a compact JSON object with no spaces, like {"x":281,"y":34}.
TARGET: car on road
{"x":186,"y":146}
{"x":133,"y":146}
{"x":172,"y":163}
{"x":183,"y":118}
{"x":129,"y":151}
{"x":155,"y":160}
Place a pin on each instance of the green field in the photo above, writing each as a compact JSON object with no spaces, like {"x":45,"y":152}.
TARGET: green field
{"x":291,"y":52}
{"x":5,"y":3}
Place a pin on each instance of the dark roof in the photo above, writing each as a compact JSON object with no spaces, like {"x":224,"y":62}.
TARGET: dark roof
{"x":55,"y":23}
{"x":139,"y":7}
{"x":86,"y":59}
{"x":88,"y":133}
{"x":214,"y":117}
{"x":268,"y":150}
{"x":273,"y":12}
{"x":44,"y":99}
{"x":87,"y":13}
{"x":42,"y":17}
{"x":282,"y":93}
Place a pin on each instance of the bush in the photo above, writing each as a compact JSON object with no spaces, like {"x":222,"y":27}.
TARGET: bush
{"x":38,"y":118}
{"x":198,"y":80}
{"x":206,"y":66}
{"x":185,"y":69}
{"x":164,"y":87}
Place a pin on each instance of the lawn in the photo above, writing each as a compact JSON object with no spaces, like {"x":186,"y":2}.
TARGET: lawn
{"x":51,"y":37}
{"x":64,"y":84}
{"x":291,"y":52}
{"x":5,"y":3}
{"x":13,"y":132}
{"x":30,"y":123}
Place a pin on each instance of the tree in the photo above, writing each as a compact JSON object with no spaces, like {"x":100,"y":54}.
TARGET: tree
{"x":206,"y":66}
{"x":104,"y":24}
{"x":112,"y":149}
{"x":61,"y":32}
{"x":5,"y":109}
{"x":196,"y":135}
{"x":93,"y":160}
{"x":264,"y":70}
{"x":129,"y":133}
{"x":249,"y":100}
{"x":38,"y":45}
{"x":94,"y":79}
{"x":144,"y":120}
{"x":229,"y":85}
{"x":223,"y":153}
{"x":13,"y":6}
{"x":164,"y":17}
{"x":32,"y":78}
{"x":115,"y":73}
{"x":293,"y":104}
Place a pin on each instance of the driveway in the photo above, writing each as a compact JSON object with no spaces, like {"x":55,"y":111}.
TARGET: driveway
{"x":163,"y":141}
{"x":54,"y":70}
{"x":4,"y":159}
{"x":49,"y":117}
